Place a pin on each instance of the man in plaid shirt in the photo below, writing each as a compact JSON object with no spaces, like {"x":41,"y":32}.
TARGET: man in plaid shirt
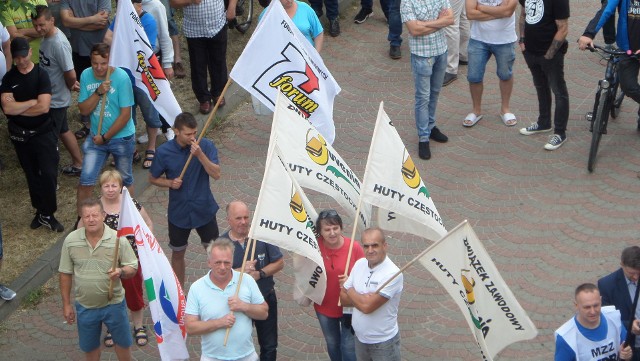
{"x":204,"y":26}
{"x":425,"y":20}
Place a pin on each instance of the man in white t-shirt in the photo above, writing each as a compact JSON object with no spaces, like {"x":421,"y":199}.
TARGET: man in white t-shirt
{"x":493,"y":32}
{"x":594,"y":333}
{"x":375,"y":317}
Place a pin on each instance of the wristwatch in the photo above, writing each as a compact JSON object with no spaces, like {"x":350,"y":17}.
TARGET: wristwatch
{"x":262,"y":274}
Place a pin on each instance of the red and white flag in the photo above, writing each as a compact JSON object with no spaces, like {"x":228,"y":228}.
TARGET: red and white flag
{"x":167,"y":301}
{"x":131,"y":49}
{"x":278,"y":58}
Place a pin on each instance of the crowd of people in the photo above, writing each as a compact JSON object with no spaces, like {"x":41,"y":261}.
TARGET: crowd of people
{"x":43,"y":64}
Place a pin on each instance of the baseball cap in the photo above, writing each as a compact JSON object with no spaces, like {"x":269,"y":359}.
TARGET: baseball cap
{"x":19,"y":47}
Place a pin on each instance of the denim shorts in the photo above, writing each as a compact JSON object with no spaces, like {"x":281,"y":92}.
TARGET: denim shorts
{"x":96,"y":155}
{"x":149,"y":113}
{"x":480,"y":53}
{"x":90,"y":322}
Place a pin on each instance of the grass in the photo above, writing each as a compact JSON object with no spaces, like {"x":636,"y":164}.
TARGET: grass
{"x":33,"y":299}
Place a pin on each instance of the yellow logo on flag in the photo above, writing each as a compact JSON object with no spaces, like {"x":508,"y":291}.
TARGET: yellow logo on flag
{"x":411,"y":176}
{"x":317,"y":148}
{"x":296,"y":207}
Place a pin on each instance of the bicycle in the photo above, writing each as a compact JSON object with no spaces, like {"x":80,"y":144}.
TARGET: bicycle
{"x":607,"y":101}
{"x":244,"y":16}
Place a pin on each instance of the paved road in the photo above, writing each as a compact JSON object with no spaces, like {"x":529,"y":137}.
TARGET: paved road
{"x":548,"y":224}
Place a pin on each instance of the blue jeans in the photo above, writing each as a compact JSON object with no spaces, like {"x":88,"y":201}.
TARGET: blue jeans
{"x":384,"y":351}
{"x":395,"y":23}
{"x":267,"y":330}
{"x":90,"y":322}
{"x":95,"y":156}
{"x":548,"y":77}
{"x":428,"y":75}
{"x":149,"y":112}
{"x":339,"y":337}
{"x":479,"y":54}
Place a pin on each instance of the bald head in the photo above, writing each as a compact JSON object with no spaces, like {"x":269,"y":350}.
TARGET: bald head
{"x":238,"y":219}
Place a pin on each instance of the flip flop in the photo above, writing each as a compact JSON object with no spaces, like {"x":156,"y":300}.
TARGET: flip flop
{"x":509,"y":119}
{"x":471,"y":119}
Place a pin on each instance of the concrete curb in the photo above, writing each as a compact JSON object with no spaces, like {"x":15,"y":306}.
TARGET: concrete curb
{"x":46,"y":266}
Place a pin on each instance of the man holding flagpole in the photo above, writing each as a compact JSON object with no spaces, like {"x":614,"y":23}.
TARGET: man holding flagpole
{"x":86,"y":258}
{"x":112,"y":130}
{"x":191,"y":203}
{"x":375,"y":317}
{"x":211,"y":310}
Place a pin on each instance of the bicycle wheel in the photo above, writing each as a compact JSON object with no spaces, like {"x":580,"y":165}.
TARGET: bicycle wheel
{"x":244,"y":15}
{"x":599,"y":121}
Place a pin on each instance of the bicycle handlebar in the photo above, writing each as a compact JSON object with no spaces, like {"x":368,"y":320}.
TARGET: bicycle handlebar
{"x":612,"y":52}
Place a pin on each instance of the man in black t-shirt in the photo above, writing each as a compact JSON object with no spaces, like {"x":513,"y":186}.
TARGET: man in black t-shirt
{"x":268,"y":262}
{"x":544,"y":25}
{"x":25,"y":96}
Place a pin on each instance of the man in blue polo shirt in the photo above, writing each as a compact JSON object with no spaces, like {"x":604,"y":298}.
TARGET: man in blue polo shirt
{"x":213,"y":307}
{"x":191,"y":203}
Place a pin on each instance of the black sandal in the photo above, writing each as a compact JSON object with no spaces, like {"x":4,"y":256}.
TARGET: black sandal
{"x":140,"y":335}
{"x":108,"y":340}
{"x":149,"y":155}
{"x":82,"y":132}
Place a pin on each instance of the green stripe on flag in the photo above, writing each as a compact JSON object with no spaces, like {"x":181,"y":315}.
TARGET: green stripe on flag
{"x":151,"y":292}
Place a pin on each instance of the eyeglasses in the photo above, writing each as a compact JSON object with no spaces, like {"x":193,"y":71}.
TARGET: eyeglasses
{"x":328,"y":213}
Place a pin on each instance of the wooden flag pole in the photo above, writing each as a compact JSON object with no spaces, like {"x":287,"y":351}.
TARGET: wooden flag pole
{"x":206,"y":125}
{"x":103,"y":103}
{"x":114,"y":265}
{"x":416,"y":258}
{"x":250,"y":241}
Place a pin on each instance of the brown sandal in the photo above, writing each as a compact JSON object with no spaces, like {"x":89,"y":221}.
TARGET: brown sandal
{"x":140,"y":335}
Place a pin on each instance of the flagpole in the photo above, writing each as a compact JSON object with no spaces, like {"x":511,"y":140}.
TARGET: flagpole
{"x":416,"y":258}
{"x":103,"y":103}
{"x":114,"y":264}
{"x":206,"y":125}
{"x":250,"y":242}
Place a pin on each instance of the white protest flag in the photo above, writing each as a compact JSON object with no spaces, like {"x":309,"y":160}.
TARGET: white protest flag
{"x":166,"y":299}
{"x":461,"y":264}
{"x":285,"y":218}
{"x":313,"y":162}
{"x":279,"y":59}
{"x":131,"y":49}
{"x":392,"y":182}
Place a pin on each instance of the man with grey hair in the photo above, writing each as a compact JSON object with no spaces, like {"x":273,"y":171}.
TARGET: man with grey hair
{"x":214,"y":305}
{"x":375,"y":317}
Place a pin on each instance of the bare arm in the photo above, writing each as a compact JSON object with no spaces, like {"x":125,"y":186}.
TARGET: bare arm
{"x":165,"y":182}
{"x":108,"y":37}
{"x":120,"y":122}
{"x":473,"y":13}
{"x":95,"y":22}
{"x":29,"y":33}
{"x":212,"y":169}
{"x":319,"y":41}
{"x":70,"y":79}
{"x":421,"y":27}
{"x":13,"y":107}
{"x":176,"y":4}
{"x":254,"y":311}
{"x":89,"y":104}
{"x":367,"y":302}
{"x":558,"y":39}
{"x":504,"y":10}
{"x":195,"y":326}
{"x":65,"y":291}
{"x":41,"y":106}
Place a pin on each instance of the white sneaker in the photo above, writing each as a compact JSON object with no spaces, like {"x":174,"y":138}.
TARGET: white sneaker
{"x":169,"y":134}
{"x":143,"y":139}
